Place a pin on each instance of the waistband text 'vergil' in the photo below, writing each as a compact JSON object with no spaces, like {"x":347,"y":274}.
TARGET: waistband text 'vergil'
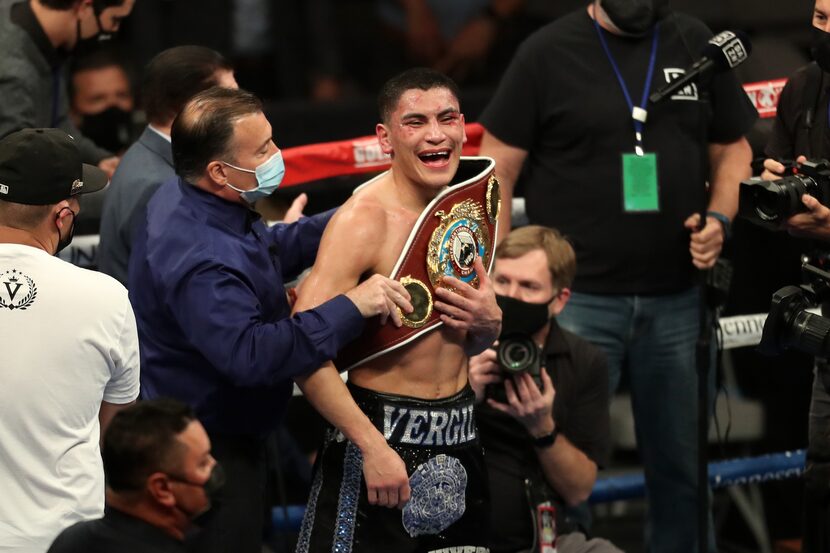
{"x":449,"y":426}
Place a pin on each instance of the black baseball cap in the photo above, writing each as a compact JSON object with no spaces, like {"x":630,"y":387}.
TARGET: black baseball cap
{"x":43,"y":167}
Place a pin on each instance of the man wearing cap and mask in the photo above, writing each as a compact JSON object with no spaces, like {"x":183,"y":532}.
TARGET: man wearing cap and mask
{"x":545,"y":427}
{"x":162,"y":483}
{"x":70,"y":356}
{"x":207,"y":282}
{"x":36,"y":38}
{"x":626,"y":181}
{"x":801,"y":132}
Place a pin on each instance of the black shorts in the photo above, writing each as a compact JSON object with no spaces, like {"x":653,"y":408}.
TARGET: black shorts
{"x":449,"y":507}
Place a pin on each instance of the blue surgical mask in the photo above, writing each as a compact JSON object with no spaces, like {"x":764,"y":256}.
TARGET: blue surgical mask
{"x":268,"y":176}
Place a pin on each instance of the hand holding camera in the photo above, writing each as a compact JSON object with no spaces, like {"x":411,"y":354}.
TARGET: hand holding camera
{"x":812,"y":223}
{"x":527,"y":403}
{"x":796,"y":203}
{"x":514,"y":354}
{"x":484,"y":373}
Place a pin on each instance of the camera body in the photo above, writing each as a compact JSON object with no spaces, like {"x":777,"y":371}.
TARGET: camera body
{"x":770,"y":203}
{"x":516,"y":353}
{"x":791,"y":325}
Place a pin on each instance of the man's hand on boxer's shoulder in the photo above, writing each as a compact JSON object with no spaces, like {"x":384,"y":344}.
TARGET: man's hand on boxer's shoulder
{"x":295,"y":212}
{"x":379,"y":295}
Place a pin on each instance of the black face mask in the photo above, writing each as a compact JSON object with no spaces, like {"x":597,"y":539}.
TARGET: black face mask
{"x":64,"y":242}
{"x":213,"y":490}
{"x":820,"y":47}
{"x":110,"y":129}
{"x":521,"y":317}
{"x":85,"y":46}
{"x":635,"y":17}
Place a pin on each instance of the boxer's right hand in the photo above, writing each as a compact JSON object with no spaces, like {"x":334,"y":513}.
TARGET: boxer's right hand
{"x":382,"y":296}
{"x":387,"y":483}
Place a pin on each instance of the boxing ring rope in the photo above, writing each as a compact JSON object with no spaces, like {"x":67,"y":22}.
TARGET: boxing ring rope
{"x":722,"y":474}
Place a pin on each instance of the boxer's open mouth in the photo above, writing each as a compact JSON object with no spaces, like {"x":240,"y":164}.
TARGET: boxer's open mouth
{"x":435,"y":158}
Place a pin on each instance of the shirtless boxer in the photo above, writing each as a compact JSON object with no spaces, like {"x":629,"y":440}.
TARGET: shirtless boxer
{"x":405,"y":417}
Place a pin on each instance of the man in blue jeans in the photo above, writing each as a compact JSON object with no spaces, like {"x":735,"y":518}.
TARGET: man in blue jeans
{"x":625,"y":180}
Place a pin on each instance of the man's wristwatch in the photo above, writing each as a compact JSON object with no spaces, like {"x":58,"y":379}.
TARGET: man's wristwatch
{"x":547,"y":440}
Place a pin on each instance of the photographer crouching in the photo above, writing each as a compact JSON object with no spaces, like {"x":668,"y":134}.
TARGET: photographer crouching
{"x":543,"y":420}
{"x":798,"y":203}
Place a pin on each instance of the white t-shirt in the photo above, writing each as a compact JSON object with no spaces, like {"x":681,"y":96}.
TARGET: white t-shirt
{"x":68,"y":341}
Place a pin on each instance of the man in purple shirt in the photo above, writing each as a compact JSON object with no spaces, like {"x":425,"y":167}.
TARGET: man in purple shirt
{"x":207,"y":282}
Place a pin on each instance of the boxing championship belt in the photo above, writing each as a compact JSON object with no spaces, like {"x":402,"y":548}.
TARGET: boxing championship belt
{"x":458,"y":225}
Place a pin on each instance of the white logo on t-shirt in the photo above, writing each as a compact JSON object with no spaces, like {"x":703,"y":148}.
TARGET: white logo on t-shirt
{"x":688,"y":92}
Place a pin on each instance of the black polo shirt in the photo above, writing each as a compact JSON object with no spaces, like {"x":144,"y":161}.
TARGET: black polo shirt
{"x":117,"y":531}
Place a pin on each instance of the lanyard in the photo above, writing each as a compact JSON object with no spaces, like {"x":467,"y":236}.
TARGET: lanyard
{"x":638,"y":113}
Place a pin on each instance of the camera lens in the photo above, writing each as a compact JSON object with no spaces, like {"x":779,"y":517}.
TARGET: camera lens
{"x":783,"y":197}
{"x":809,"y":333}
{"x":767,"y":205}
{"x":516,"y":355}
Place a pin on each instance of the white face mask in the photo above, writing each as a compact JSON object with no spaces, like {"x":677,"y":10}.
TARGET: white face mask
{"x":269,"y":176}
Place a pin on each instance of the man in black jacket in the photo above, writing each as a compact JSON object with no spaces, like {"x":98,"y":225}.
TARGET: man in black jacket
{"x":549,"y":433}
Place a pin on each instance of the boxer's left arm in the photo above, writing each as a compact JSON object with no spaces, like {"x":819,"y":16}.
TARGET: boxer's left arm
{"x":345,"y":255}
{"x":474,"y":310}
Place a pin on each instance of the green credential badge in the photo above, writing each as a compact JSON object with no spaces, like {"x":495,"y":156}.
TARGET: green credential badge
{"x":640,"y":189}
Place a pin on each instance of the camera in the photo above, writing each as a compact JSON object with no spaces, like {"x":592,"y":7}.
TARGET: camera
{"x":770,"y":203}
{"x":791,"y":325}
{"x":515,"y":354}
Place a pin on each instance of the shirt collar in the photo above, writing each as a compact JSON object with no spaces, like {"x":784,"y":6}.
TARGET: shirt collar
{"x":23,"y":16}
{"x":158,"y":132}
{"x":142,"y":531}
{"x":237,"y":217}
{"x":555,"y":343}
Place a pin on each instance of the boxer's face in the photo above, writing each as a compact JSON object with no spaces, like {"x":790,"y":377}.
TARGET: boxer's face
{"x":424,"y":136}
